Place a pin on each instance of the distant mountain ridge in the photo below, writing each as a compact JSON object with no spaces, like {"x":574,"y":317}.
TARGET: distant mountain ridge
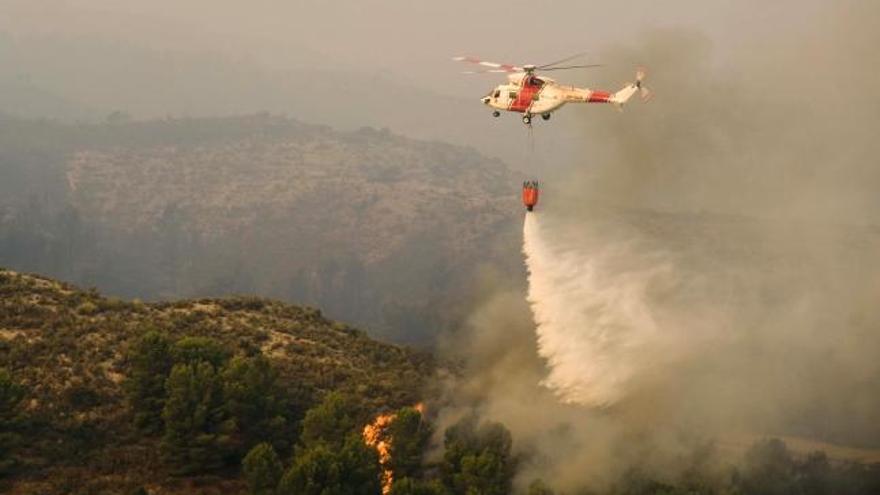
{"x":375,"y":228}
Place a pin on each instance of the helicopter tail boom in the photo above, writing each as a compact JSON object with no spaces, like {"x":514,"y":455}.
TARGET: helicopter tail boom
{"x":618,"y":98}
{"x":622,"y":96}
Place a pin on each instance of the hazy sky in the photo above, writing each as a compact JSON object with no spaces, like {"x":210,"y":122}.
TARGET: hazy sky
{"x":414,"y":40}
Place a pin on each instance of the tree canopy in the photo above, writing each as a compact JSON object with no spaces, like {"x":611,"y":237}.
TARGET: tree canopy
{"x":150,"y":363}
{"x":478,"y":458}
{"x":332,"y":421}
{"x":194,"y":439}
{"x":352,"y":469}
{"x":409,"y":433}
{"x":262,"y":469}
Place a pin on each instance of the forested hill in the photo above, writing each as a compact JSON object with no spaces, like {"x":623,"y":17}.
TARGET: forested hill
{"x":83,"y":397}
{"x":378,"y":230}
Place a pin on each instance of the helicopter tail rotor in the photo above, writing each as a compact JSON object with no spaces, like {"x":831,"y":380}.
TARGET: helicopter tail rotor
{"x":622,"y":96}
{"x":644,"y":92}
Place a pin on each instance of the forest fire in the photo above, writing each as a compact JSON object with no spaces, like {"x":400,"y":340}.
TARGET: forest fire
{"x":377,"y":436}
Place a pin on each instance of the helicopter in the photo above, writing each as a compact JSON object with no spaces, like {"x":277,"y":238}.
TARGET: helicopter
{"x":530,"y":94}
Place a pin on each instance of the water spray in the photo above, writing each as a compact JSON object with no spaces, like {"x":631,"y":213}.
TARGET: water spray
{"x":593,"y":326}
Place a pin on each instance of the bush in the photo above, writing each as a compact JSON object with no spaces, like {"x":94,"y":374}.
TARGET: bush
{"x":200,"y":349}
{"x":87,"y":308}
{"x":11,"y":397}
{"x":81,"y":397}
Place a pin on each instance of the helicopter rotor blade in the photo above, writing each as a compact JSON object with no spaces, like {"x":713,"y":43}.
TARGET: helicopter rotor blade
{"x":567,"y":67}
{"x":493,"y":65}
{"x":487,"y":71}
{"x":566,"y":59}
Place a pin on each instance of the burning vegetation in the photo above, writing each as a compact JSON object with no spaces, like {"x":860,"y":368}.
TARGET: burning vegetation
{"x":376,"y":436}
{"x":380,"y":435}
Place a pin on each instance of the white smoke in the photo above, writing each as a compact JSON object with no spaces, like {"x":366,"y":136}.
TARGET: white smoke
{"x":594,"y":324}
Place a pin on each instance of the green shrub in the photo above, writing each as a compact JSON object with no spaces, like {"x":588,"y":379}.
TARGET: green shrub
{"x":87,"y":308}
{"x":200,"y":349}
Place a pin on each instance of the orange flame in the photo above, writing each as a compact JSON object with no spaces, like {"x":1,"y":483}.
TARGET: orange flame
{"x":376,"y":436}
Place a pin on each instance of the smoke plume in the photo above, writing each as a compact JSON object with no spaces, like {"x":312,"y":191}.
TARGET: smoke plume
{"x":706,"y":268}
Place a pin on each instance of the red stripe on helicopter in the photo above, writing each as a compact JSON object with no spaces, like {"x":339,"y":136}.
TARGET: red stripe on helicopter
{"x":525,"y":96}
{"x":599,"y":97}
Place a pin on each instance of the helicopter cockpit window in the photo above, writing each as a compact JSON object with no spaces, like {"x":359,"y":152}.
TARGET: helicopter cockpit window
{"x":497,"y":93}
{"x":512,"y":95}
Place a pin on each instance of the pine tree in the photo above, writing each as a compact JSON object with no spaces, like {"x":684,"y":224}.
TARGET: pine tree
{"x":150,"y":363}
{"x":262,"y":470}
{"x":315,"y":471}
{"x":478,"y":460}
{"x":331,"y":421}
{"x":409,"y":434}
{"x":352,"y":469}
{"x":194,"y":439}
{"x":255,"y":403}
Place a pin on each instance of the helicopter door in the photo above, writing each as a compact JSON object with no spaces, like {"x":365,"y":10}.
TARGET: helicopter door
{"x":499,"y":98}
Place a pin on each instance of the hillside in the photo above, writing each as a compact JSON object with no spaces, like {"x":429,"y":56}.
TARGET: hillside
{"x":68,"y":348}
{"x":374,"y":228}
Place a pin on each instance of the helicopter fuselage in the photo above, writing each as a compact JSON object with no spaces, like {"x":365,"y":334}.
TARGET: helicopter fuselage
{"x":533,"y":95}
